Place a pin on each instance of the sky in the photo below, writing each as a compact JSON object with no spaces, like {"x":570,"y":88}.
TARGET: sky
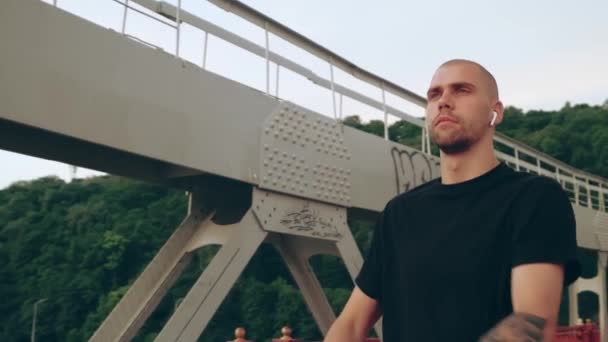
{"x":543,"y":53}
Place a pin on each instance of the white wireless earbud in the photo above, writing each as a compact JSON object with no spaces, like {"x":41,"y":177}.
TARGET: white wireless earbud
{"x":494,"y":115}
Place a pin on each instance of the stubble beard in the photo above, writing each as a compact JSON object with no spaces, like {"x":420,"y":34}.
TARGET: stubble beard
{"x":454,"y":141}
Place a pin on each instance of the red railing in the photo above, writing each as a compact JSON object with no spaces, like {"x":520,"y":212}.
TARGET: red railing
{"x":579,"y":333}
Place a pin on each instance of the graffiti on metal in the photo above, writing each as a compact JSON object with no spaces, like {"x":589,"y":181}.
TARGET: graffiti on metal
{"x":310,"y":220}
{"x":412,"y":168}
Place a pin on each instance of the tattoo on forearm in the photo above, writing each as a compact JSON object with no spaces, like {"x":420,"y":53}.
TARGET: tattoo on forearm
{"x":518,"y":327}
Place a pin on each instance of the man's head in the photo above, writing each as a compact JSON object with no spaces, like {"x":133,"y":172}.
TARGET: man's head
{"x":461,"y":100}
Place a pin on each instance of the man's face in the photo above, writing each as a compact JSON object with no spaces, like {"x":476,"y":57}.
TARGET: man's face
{"x":459,"y":107}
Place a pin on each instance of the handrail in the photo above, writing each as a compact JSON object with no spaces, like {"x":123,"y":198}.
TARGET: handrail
{"x":565,"y":180}
{"x":168,"y":10}
{"x":126,"y":5}
{"x":547,"y":159}
{"x":316,"y":49}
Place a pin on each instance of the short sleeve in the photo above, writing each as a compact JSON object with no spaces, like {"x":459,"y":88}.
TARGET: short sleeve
{"x":370,"y":277}
{"x":544,"y":228}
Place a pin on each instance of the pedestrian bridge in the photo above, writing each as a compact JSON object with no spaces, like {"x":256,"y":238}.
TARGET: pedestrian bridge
{"x":257,"y":167}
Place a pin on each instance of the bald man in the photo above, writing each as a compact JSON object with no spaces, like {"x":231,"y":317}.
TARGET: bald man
{"x":480,"y":254}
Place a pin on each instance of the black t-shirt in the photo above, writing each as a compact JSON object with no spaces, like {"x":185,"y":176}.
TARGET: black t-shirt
{"x":441,"y":256}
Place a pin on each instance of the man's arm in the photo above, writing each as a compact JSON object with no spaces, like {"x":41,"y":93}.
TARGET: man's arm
{"x":358,"y":316}
{"x":536,"y":292}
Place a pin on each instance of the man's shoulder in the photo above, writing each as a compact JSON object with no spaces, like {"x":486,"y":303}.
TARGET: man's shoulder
{"x":530,"y":189}
{"x":531,"y":182}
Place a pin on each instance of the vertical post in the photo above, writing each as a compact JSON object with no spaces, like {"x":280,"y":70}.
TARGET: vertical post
{"x":589,"y":201}
{"x":602,"y":198}
{"x":341,"y":112}
{"x":333,"y":88}
{"x":575,"y":182}
{"x":385,"y":112}
{"x":516,"y":158}
{"x":177,"y":28}
{"x":562,"y":181}
{"x":33,"y":334}
{"x":267,"y":58}
{"x":124,"y":17}
{"x":428,"y":142}
{"x":73,"y":169}
{"x":423,"y":142}
{"x":538,"y":166}
{"x":277,"y":81}
{"x":205,"y":50}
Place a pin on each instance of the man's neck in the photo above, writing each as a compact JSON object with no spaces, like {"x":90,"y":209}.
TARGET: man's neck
{"x":458,"y":168}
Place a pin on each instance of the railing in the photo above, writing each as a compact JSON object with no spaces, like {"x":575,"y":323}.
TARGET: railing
{"x":580,"y":333}
{"x":583,"y":188}
{"x":588,"y":332}
{"x":286,"y":336}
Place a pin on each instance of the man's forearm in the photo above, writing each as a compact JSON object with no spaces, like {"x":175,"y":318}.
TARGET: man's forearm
{"x":341,"y":331}
{"x":517,"y":327}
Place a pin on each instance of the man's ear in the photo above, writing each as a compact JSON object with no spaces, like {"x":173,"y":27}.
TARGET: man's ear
{"x":500,"y":110}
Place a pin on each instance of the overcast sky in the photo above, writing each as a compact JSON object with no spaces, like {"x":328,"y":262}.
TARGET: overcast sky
{"x":542,"y":53}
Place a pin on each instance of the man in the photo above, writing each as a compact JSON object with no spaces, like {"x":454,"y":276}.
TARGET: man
{"x":482,"y":253}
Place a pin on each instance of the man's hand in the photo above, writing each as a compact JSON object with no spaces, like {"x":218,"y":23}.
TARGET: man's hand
{"x":518,"y":327}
